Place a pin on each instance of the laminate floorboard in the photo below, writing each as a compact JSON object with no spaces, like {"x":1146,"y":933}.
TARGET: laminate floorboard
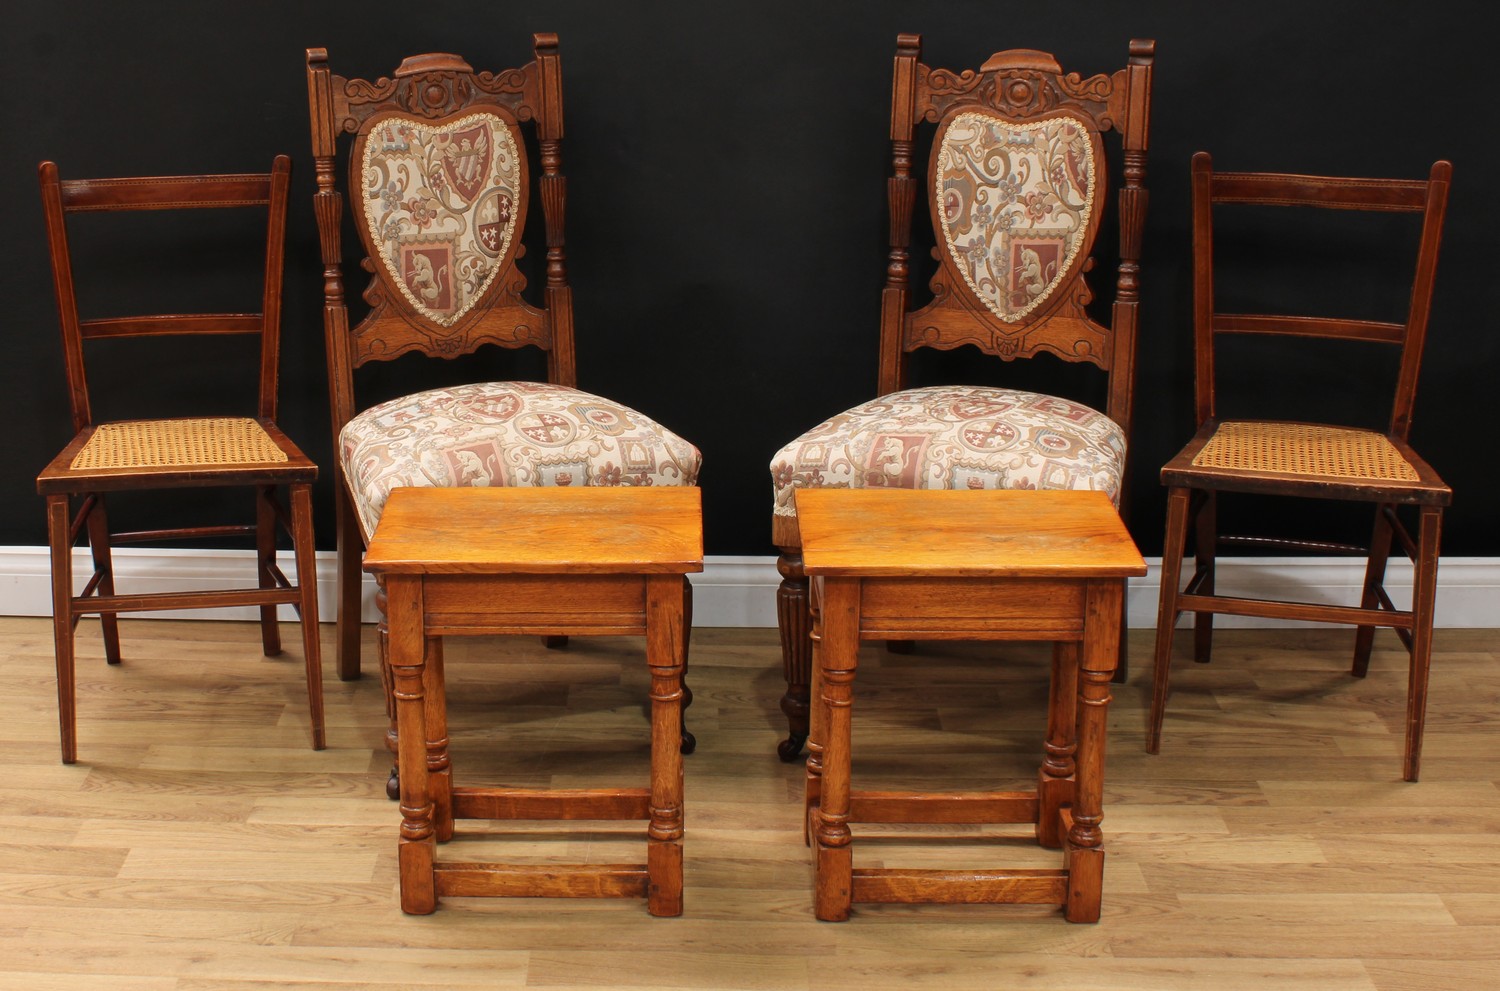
{"x":199,"y":845}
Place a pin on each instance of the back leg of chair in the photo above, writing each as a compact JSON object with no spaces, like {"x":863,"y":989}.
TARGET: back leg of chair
{"x":796,"y":650}
{"x":307,"y":608}
{"x":1205,"y":551}
{"x":1423,"y":607}
{"x":98,"y":528}
{"x":1380,"y":551}
{"x":348,"y":582}
{"x":1166,"y":617}
{"x":388,"y":687}
{"x":689,"y":742}
{"x":59,"y":537}
{"x":265,"y":564}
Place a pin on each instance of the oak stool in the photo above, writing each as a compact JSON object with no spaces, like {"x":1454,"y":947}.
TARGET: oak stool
{"x":895,"y":564}
{"x":547,"y":562}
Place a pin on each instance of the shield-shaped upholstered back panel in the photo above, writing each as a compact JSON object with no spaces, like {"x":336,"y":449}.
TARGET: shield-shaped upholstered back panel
{"x":439,"y":205}
{"x":1016,"y":206}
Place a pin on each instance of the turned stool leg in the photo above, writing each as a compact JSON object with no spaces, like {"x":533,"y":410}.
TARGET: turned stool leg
{"x":435,"y":743}
{"x":1085,"y":845}
{"x":415,"y":855}
{"x":838,"y":655}
{"x":1057,"y":779}
{"x":812,"y":787}
{"x":666,"y":656}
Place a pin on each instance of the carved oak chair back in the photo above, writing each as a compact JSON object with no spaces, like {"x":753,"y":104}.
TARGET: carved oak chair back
{"x":214,"y":450}
{"x":439,"y":183}
{"x":1312,"y":460}
{"x":1017,"y":182}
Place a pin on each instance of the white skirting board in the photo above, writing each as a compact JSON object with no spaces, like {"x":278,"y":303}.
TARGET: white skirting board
{"x":741,"y":591}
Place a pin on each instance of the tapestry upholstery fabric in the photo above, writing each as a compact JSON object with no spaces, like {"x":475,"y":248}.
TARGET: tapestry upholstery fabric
{"x":440,"y":207}
{"x":505,"y":433}
{"x":1015,"y":202}
{"x":955,"y":437}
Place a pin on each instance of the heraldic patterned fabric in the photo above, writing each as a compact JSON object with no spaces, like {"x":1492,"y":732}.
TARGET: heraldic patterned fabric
{"x":955,"y":437}
{"x":505,"y":433}
{"x":1015,"y":201}
{"x":440,"y":206}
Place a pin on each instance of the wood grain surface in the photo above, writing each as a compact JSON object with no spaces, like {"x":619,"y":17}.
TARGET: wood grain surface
{"x":199,"y":845}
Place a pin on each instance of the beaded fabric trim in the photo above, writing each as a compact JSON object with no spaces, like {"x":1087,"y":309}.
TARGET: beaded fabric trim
{"x":178,"y":443}
{"x":1305,"y":449}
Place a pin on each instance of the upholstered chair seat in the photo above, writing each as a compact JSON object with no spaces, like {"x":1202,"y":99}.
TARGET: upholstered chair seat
{"x":953,"y":437}
{"x":505,"y":433}
{"x":1016,"y":182}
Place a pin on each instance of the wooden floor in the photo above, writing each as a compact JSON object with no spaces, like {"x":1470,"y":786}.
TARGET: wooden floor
{"x":199,"y":844}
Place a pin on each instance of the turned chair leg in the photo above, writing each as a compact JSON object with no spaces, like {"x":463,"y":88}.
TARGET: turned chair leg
{"x":796,"y":650}
{"x":689,"y":742}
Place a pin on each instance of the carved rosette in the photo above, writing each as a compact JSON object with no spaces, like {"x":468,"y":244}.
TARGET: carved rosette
{"x":1019,"y":93}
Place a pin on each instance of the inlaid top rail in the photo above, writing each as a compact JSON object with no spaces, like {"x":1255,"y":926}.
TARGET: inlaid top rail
{"x":543,"y":530}
{"x":940,"y":532}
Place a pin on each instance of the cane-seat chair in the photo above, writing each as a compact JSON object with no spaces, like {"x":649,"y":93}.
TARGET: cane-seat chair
{"x":214,"y":450}
{"x":439,"y":186}
{"x":1299,"y":459}
{"x":1016,"y":183}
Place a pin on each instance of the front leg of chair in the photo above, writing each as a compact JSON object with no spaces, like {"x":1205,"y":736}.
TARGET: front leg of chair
{"x":1423,"y":606}
{"x":307,"y":608}
{"x":348,"y":582}
{"x":59,"y":537}
{"x":796,"y":650}
{"x":1166,"y":616}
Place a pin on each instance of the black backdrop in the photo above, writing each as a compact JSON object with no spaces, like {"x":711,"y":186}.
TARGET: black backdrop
{"x":726,"y":166}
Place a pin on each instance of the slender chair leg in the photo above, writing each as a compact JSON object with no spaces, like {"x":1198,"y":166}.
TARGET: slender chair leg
{"x":1424,"y":602}
{"x":59,"y":528}
{"x":1166,"y":617}
{"x":265,"y":563}
{"x":307,"y":588}
{"x":109,"y":624}
{"x":796,"y":650}
{"x":1380,"y":551}
{"x":347,"y":582}
{"x":1206,"y":552}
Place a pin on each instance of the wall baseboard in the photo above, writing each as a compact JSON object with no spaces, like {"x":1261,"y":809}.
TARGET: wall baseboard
{"x":740,"y":591}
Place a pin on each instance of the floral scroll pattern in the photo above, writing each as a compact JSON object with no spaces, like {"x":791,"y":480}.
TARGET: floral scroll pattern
{"x":505,"y":433}
{"x":1014,"y":204}
{"x":440,"y":204}
{"x":955,"y":437}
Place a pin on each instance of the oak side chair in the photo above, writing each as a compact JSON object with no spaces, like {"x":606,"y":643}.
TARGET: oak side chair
{"x":196,"y":452}
{"x":1308,"y":460}
{"x":1016,"y":184}
{"x":439,"y":186}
